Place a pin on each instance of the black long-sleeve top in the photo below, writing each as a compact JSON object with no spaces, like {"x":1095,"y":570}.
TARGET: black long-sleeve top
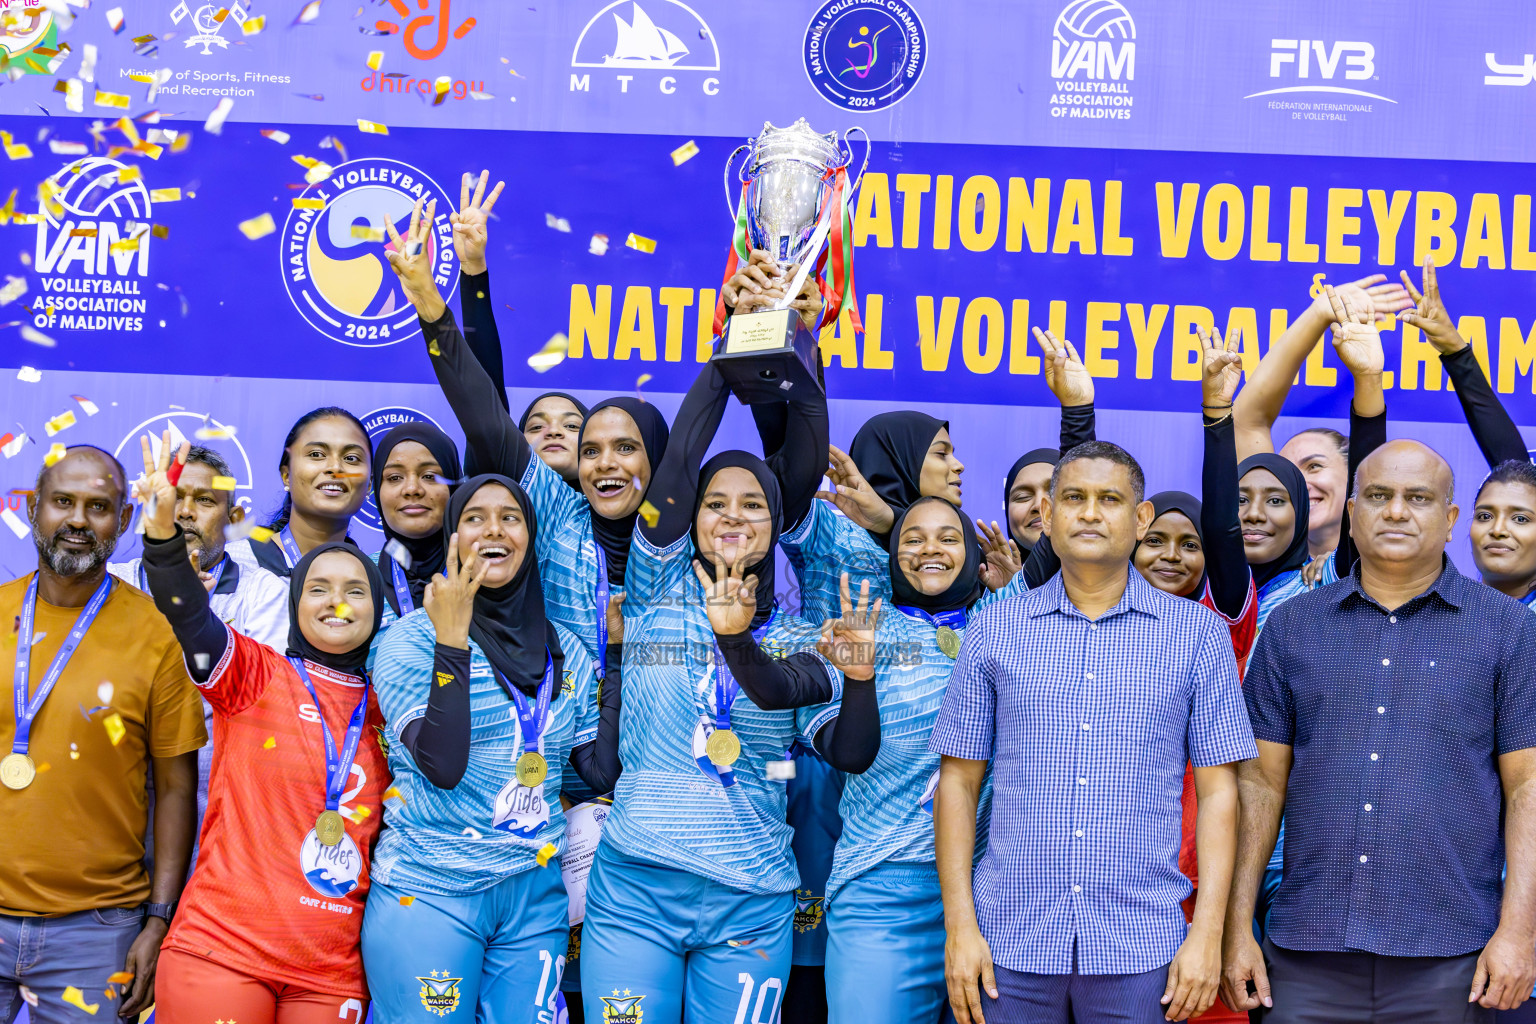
{"x":1497,"y":436}
{"x":1221,"y":527}
{"x":1078,"y":426}
{"x":1366,"y":434}
{"x":181,"y":598}
{"x":493,"y":444}
{"x":480,"y":329}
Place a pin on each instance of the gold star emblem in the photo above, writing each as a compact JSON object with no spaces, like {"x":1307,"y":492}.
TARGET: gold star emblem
{"x":626,"y":992}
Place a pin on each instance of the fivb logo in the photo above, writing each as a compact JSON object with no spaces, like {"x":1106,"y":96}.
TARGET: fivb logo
{"x":1319,"y":62}
{"x":1095,"y":39}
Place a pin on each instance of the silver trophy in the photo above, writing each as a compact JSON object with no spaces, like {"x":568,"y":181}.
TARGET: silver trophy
{"x":789,"y":213}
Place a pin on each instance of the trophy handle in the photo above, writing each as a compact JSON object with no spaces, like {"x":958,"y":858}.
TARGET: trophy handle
{"x":731,"y":197}
{"x":869,"y":148}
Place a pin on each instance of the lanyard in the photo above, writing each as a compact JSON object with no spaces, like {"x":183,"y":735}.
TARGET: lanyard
{"x":217,"y":573}
{"x":291,"y":552}
{"x":26,"y":710}
{"x":533,"y":722}
{"x":337,"y":769}
{"x":727,"y":689}
{"x":954,"y":619}
{"x":601,"y":597}
{"x":402,"y":587}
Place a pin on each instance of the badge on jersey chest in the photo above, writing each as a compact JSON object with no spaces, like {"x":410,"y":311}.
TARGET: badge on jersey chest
{"x":331,"y":870}
{"x":520,"y":810}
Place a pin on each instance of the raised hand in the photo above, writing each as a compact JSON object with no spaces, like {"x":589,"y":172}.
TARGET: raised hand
{"x":450,"y":597}
{"x":154,"y":489}
{"x":849,"y":642}
{"x":755,"y":285}
{"x":1065,"y":373}
{"x":409,"y":259}
{"x":808,"y":303}
{"x":1372,"y":297}
{"x":729,"y":600}
{"x":469,"y":224}
{"x":1428,"y":313}
{"x":853,"y":495}
{"x":1000,"y":557}
{"x":1222,"y":371}
{"x":615,"y":617}
{"x":1355,"y":337}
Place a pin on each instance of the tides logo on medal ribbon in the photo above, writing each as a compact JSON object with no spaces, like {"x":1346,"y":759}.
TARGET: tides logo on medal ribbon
{"x":333,"y":260}
{"x":439,"y":993}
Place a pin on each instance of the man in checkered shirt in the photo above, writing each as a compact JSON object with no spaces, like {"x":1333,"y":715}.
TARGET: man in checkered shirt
{"x":1087,"y":697}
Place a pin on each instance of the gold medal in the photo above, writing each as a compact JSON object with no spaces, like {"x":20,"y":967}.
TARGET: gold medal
{"x":723,"y":747}
{"x":949,"y":641}
{"x":329,"y":828}
{"x":17,"y":771}
{"x":531,"y":769}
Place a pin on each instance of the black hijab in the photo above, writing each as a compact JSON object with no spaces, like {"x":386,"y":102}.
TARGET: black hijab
{"x":769,"y":482}
{"x":426,"y":552}
{"x":889,"y":450}
{"x":508,"y":621}
{"x":1295,"y":555}
{"x":613,"y":534}
{"x":356,"y":660}
{"x":1050,"y":456}
{"x":1179,"y":501}
{"x":962,"y":593}
{"x":522,"y":423}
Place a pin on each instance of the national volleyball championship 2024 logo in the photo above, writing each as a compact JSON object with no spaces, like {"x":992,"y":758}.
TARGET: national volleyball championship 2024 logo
{"x":333,"y":260}
{"x":865,"y":54}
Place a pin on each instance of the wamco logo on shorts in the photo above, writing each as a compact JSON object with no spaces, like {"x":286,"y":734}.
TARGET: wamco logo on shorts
{"x":865,"y":54}
{"x":625,"y":38}
{"x":377,"y":424}
{"x":1325,"y":69}
{"x":333,"y":259}
{"x":1093,"y":61}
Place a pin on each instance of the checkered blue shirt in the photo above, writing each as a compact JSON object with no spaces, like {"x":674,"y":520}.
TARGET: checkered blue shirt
{"x":1089,"y":725}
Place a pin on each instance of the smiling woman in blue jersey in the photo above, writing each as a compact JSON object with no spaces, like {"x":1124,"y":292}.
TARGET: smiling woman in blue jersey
{"x":486,"y":701}
{"x":415,"y":469}
{"x":689,"y":900}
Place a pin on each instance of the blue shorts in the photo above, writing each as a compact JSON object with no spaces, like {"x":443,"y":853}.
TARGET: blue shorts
{"x":662,"y":946}
{"x":885,"y":946}
{"x":499,"y":953}
{"x":1064,"y":998}
{"x":814,"y":794}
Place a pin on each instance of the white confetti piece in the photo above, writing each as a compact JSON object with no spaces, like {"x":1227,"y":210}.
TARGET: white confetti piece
{"x":36,"y":337}
{"x":104,"y":693}
{"x":599,"y":244}
{"x":15,"y":288}
{"x":29,"y":375}
{"x":558,"y":223}
{"x":397,"y":551}
{"x":19,"y":528}
{"x":215,"y":123}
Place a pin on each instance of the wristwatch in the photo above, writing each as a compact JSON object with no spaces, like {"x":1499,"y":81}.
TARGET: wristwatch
{"x":160,"y":910}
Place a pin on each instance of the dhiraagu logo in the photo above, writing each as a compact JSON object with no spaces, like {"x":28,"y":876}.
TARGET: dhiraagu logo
{"x":333,"y":258}
{"x":865,"y":54}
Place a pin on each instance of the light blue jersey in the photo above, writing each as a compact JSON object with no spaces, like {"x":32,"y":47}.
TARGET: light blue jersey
{"x":1289,"y":584}
{"x":672,"y":805}
{"x":887,"y":810}
{"x":566,"y":551}
{"x":825,"y":545}
{"x":487,"y":828}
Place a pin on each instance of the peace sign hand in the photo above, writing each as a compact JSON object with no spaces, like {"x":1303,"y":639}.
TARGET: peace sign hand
{"x":409,"y":260}
{"x":849,"y":642}
{"x":1221,"y":374}
{"x":450,"y":597}
{"x":1372,"y":298}
{"x":1065,"y":373}
{"x":154,"y":489}
{"x":1355,"y":337}
{"x":729,"y":600}
{"x":853,"y":495}
{"x":1000,"y":555}
{"x":469,"y":224}
{"x":1429,"y":314}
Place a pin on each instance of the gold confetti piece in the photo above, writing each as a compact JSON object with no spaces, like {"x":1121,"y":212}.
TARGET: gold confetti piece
{"x":74,"y":997}
{"x":367,"y":233}
{"x":224,"y":483}
{"x":149,"y":149}
{"x":254,"y":25}
{"x":433,"y":350}
{"x":115,"y":728}
{"x":104,"y":694}
{"x":309,"y":204}
{"x":82,"y":233}
{"x":166,"y":195}
{"x":63,"y":421}
{"x":642,"y":379}
{"x":270,"y":743}
{"x":545,"y":853}
{"x":258,"y":227}
{"x":344,"y":610}
{"x":650,"y":514}
{"x":317,"y":174}
{"x":16,"y":151}
{"x":111,"y":99}
{"x":375,"y":58}
{"x":687,"y":151}
{"x":441,"y":88}
{"x":121,"y":978}
{"x":304,"y":161}
{"x":310,"y":12}
{"x":128,"y":128}
{"x":393,"y":792}
{"x":129,"y":173}
{"x":358,"y":814}
{"x":640,"y":242}
{"x":551,"y":355}
{"x":55,"y":453}
{"x":74,"y":752}
{"x":406,"y":901}
{"x":372,"y":127}
{"x":181,"y":143}
{"x":125,"y":245}
{"x":160,"y":231}
{"x":276,"y":135}
{"x":260,"y":534}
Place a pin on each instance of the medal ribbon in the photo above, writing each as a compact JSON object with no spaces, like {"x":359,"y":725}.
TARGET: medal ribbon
{"x":601,"y":597}
{"x":727,"y":689}
{"x":954,"y":619}
{"x":26,"y":710}
{"x":290,"y":547}
{"x":217,"y":573}
{"x":402,"y":587}
{"x":337,"y":769}
{"x":533,"y":722}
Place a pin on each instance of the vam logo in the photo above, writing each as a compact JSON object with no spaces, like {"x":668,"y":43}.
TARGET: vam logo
{"x":865,"y":54}
{"x":208,"y":21}
{"x":1093,"y":60}
{"x":624,"y":37}
{"x":334,"y":265}
{"x":378,"y":423}
{"x":1317,"y":63}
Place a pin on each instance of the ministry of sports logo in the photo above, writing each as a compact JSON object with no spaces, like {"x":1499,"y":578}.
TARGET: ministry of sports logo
{"x":865,"y":54}
{"x":208,"y":24}
{"x":440,"y":995}
{"x":333,"y":258}
{"x":1093,"y":60}
{"x":378,"y":423}
{"x":622,"y":1009}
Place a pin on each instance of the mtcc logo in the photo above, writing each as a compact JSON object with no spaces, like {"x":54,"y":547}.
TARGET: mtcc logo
{"x":625,"y":38}
{"x":1093,"y":60}
{"x":333,"y":259}
{"x":865,"y":54}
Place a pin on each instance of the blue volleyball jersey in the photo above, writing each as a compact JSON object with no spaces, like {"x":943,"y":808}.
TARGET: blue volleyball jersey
{"x":825,"y":545}
{"x":673,"y":806}
{"x":1287,"y":585}
{"x":887,"y":811}
{"x":566,"y":551}
{"x":487,"y":828}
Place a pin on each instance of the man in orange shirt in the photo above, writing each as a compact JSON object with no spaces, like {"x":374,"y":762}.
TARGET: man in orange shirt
{"x":99,"y":695}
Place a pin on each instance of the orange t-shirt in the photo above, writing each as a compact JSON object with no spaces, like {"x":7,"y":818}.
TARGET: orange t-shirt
{"x":74,"y":838}
{"x":266,"y":899}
